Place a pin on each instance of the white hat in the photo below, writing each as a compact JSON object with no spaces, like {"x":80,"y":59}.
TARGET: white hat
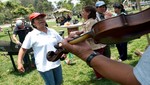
{"x":19,"y":22}
{"x":99,"y":3}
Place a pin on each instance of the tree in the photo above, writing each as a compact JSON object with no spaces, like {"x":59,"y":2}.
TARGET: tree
{"x":77,"y":9}
{"x":47,"y":6}
{"x":1,"y":12}
{"x":26,"y":3}
{"x":65,"y":4}
{"x":88,"y":2}
{"x":22,"y":11}
{"x":9,"y":7}
{"x":43,"y":6}
{"x":92,"y":2}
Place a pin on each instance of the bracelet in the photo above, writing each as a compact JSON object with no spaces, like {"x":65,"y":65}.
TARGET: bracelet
{"x":90,"y":57}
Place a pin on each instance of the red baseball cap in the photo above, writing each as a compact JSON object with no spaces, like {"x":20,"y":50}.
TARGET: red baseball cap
{"x":36,"y":14}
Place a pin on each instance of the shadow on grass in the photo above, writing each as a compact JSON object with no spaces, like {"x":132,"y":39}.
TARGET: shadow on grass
{"x":17,"y":73}
{"x":96,"y":82}
{"x":93,"y":81}
{"x":133,"y":61}
{"x":3,"y":36}
{"x":130,"y":56}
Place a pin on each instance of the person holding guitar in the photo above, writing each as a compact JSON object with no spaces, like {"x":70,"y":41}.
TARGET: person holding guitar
{"x":111,"y":69}
{"x":103,"y":32}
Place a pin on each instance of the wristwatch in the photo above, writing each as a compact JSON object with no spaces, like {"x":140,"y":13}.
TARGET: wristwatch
{"x":90,"y":57}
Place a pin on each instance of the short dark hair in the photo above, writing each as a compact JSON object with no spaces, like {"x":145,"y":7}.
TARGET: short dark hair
{"x":92,"y":11}
{"x":32,"y":21}
{"x":119,"y":6}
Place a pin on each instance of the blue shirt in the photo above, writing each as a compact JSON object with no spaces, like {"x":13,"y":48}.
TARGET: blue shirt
{"x":142,"y":69}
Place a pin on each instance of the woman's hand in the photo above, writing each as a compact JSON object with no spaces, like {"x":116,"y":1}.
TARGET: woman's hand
{"x":21,"y":68}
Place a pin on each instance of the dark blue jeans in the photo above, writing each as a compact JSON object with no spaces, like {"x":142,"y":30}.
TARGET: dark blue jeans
{"x":53,"y":76}
{"x":32,"y":58}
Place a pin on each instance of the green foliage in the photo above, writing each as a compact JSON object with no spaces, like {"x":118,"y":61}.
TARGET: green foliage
{"x":10,"y":5}
{"x":21,"y":11}
{"x":1,"y":18}
{"x":43,"y":6}
{"x":1,"y":6}
{"x":88,"y":2}
{"x":47,"y":6}
{"x":65,"y":4}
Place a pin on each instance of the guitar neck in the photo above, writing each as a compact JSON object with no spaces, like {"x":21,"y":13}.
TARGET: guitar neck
{"x":81,"y":38}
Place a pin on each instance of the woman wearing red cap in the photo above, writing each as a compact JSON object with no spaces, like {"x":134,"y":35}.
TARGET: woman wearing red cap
{"x":42,"y":39}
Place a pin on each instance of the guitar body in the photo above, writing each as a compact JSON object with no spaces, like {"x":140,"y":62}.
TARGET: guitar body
{"x":122,"y":28}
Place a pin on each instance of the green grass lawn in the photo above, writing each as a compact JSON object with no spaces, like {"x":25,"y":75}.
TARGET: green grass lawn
{"x":78,"y":74}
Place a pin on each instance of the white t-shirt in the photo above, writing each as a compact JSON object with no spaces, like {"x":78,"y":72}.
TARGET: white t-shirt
{"x":142,"y":69}
{"x":42,"y":43}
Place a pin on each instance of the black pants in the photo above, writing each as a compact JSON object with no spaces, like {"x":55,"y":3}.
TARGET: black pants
{"x":107,"y":51}
{"x":122,"y":49}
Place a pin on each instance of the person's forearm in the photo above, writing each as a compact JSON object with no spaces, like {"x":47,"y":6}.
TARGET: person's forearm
{"x":21,"y":55}
{"x":110,"y":69}
{"x":14,"y":38}
{"x":113,"y":70}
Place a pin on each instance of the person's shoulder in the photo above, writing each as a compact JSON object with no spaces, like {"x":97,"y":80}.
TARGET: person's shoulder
{"x":15,"y":29}
{"x":28,"y":28}
{"x":91,"y":20}
{"x":33,"y":32}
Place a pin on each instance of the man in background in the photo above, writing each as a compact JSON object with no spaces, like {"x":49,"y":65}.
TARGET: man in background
{"x":100,"y":15}
{"x":21,"y":30}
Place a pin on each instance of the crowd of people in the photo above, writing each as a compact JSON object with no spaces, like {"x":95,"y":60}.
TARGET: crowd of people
{"x":43,"y":39}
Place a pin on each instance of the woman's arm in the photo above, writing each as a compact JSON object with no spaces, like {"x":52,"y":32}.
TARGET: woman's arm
{"x":21,"y":54}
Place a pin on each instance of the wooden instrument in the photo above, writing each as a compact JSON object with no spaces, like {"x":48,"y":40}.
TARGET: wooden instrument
{"x":115,"y":30}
